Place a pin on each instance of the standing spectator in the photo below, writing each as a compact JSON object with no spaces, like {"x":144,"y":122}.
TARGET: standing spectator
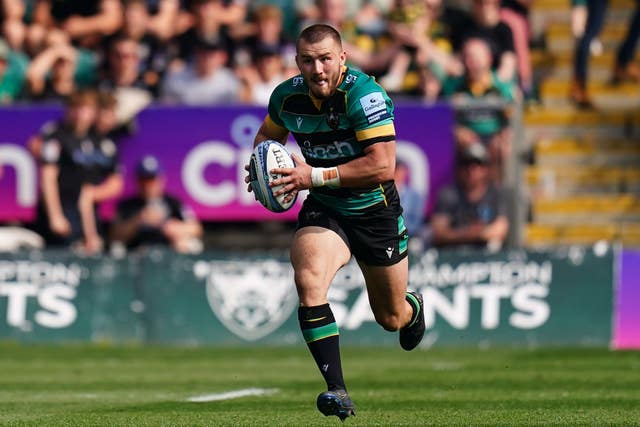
{"x":152,"y":217}
{"x":472,"y":212}
{"x":596,"y":12}
{"x":77,"y":171}
{"x":411,"y":201}
{"x":625,"y":67}
{"x":13,"y":68}
{"x":515,"y":13}
{"x":206,"y":81}
{"x":84,"y":22}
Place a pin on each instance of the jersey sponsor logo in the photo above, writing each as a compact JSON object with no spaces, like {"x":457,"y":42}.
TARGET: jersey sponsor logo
{"x":297,"y":81}
{"x":378,"y":117}
{"x":335,"y":150}
{"x":350,"y":78}
{"x":372,"y":104}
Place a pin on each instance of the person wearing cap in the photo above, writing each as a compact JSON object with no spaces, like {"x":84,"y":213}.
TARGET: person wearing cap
{"x":153,"y":217}
{"x":473,"y":211}
{"x":206,"y":80}
{"x":13,"y":69}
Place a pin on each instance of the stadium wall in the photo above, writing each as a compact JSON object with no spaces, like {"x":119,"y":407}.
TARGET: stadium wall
{"x":515,"y":298}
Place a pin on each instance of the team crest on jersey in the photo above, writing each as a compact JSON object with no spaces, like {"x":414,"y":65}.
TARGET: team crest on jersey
{"x":333,"y":119}
{"x":251,"y":299}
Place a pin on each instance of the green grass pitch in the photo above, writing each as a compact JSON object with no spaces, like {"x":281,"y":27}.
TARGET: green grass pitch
{"x":149,"y":386}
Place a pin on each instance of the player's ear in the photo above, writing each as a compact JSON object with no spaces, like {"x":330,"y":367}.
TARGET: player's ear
{"x":343,"y":58}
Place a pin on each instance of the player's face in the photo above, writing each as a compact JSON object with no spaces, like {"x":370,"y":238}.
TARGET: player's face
{"x":321,"y":65}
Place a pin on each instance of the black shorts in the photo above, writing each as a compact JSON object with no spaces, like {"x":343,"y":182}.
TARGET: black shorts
{"x":377,"y":238}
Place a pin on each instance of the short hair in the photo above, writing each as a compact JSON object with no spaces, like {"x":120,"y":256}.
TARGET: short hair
{"x":82,"y":97}
{"x":318,"y":32}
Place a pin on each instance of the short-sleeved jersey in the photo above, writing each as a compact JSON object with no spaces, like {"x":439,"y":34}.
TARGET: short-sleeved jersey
{"x":335,"y":130}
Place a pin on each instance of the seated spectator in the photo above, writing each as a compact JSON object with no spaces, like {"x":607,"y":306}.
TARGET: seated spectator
{"x":124,"y":68}
{"x":207,"y":25}
{"x":163,"y":17}
{"x":84,"y":22}
{"x":259,"y":80}
{"x":13,"y":68}
{"x":365,"y":51}
{"x":152,"y":217}
{"x":485,"y":121}
{"x":58,"y":71}
{"x":411,"y":201}
{"x":78,"y":170}
{"x":206,"y":81}
{"x":265,"y":31}
{"x":485,"y":22}
{"x":415,"y":26}
{"x":472,"y":212}
{"x":152,"y":51}
{"x":11,"y":19}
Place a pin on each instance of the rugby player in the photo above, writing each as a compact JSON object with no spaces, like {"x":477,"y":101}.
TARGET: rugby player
{"x":343,"y":122}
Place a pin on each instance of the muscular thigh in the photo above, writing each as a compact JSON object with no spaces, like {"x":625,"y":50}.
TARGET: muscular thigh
{"x":317,"y":253}
{"x":386,"y":286}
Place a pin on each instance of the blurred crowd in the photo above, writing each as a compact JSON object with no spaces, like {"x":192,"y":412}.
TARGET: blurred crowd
{"x":236,"y":51}
{"x":108,"y":59}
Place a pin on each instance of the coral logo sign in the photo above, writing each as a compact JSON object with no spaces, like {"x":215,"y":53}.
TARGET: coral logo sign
{"x":38,"y":293}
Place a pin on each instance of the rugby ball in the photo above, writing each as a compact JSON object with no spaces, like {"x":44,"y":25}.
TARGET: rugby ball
{"x":268,"y":155}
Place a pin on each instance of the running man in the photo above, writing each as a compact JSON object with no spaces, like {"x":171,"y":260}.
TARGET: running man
{"x":343,"y":122}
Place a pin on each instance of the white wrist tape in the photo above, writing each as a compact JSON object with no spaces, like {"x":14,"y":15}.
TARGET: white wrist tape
{"x":325,"y":176}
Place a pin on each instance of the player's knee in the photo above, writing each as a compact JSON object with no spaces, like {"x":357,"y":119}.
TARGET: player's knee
{"x":389,"y":321}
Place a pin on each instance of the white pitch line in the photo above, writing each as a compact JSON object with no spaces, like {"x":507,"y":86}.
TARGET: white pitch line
{"x":233,"y":394}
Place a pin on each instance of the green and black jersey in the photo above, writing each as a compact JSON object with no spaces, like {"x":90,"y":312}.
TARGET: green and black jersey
{"x":333,"y":131}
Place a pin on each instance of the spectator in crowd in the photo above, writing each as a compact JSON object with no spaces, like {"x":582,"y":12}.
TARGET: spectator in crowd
{"x":411,"y":201}
{"x":152,"y":50}
{"x":515,"y":13}
{"x":364,"y":49}
{"x":416,"y":26}
{"x":152,"y":217}
{"x":625,"y":68}
{"x":13,"y":68}
{"x":485,"y":22}
{"x":206,"y":81}
{"x":265,"y":33}
{"x":124,"y":69}
{"x":58,"y":71}
{"x":84,"y":22}
{"x":163,"y":18}
{"x":472,"y":212}
{"x":78,"y":170}
{"x":260,"y":79}
{"x":595,"y":16}
{"x":13,"y":27}
{"x":207,"y":25}
{"x":480,"y":97}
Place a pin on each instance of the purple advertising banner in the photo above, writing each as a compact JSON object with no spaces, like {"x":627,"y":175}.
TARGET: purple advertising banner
{"x":627,"y":321}
{"x":203,"y":152}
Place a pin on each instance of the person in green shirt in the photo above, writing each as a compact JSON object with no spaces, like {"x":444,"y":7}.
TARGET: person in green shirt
{"x":343,"y":122}
{"x":13,"y":67}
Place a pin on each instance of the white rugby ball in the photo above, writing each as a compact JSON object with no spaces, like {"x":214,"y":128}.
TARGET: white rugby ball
{"x":268,"y":155}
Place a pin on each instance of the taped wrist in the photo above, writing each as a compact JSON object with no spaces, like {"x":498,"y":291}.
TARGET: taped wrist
{"x":325,"y":176}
